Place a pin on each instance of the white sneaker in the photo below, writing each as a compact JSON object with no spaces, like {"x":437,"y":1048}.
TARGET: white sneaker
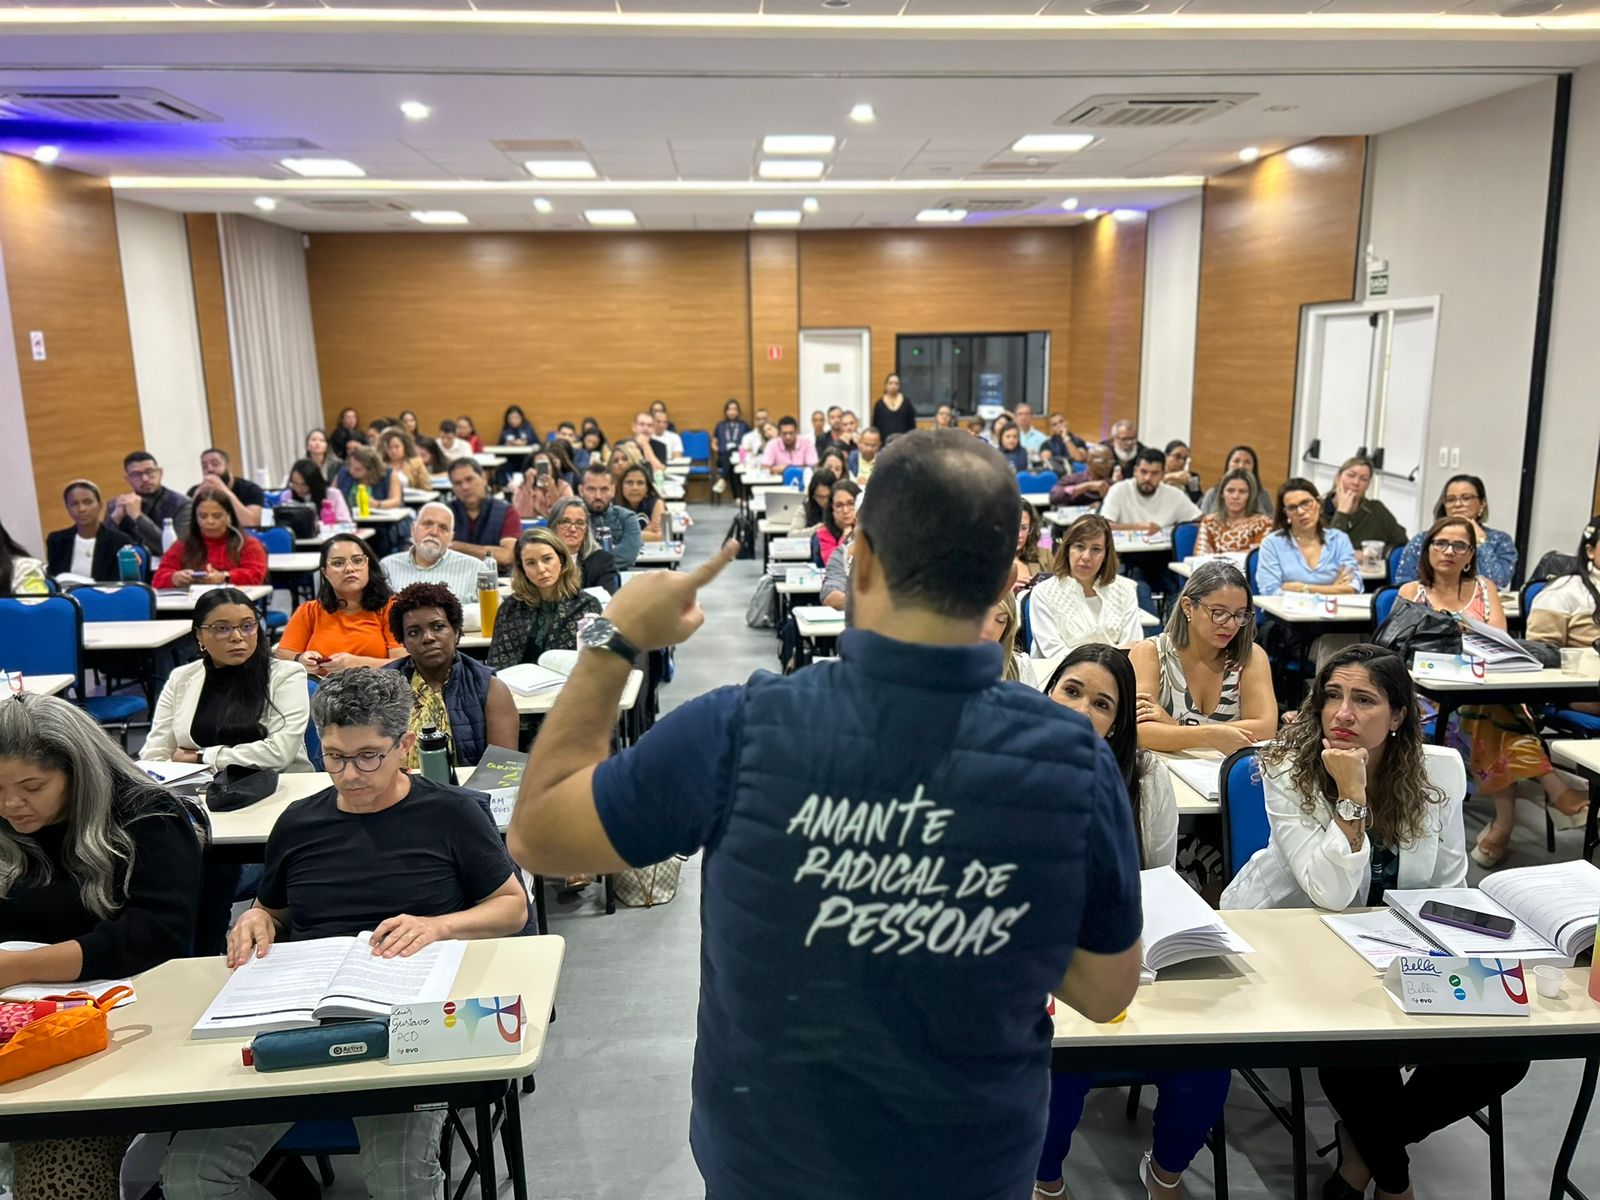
{"x":720,"y":486}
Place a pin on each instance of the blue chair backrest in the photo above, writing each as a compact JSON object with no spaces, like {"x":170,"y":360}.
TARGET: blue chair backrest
{"x":275,"y":539}
{"x":696,"y":444}
{"x":1184,"y":537}
{"x":1383,"y":605}
{"x":1530,"y":591}
{"x":41,"y":635}
{"x":1394,"y":561}
{"x":1244,"y":811}
{"x":144,"y":562}
{"x":1037,"y":481}
{"x":1250,"y":561}
{"x":794,"y":477}
{"x":1025,"y":618}
{"x":116,"y":602}
{"x":313,"y":738}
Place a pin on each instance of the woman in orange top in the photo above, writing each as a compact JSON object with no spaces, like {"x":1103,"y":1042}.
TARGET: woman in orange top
{"x":215,"y":551}
{"x":347,"y":625}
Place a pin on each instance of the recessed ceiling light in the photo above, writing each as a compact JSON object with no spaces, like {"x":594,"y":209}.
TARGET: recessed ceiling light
{"x":1250,"y":154}
{"x":863,"y":114}
{"x":1117,"y":8}
{"x":415,"y":110}
{"x":798,"y":143}
{"x":1529,"y":8}
{"x":776,"y":216}
{"x":835,"y":3}
{"x":1304,"y":156}
{"x":266,"y":203}
{"x":792,"y":168}
{"x":944,"y":216}
{"x":1070,"y":203}
{"x":561,"y":168}
{"x":1126,"y":214}
{"x":610,"y":216}
{"x":1051,"y":143}
{"x":322,"y":168}
{"x":541,"y":205}
{"x":47,"y":154}
{"x":1091,"y":214}
{"x":810,"y":204}
{"x":439,"y":216}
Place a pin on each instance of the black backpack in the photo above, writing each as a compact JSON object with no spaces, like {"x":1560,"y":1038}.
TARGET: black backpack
{"x":743,"y":531}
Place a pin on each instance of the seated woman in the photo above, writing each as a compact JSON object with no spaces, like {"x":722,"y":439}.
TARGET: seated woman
{"x":1566,"y":613}
{"x":1002,"y":627}
{"x":90,"y":547}
{"x":1348,"y":509}
{"x":307,"y":485}
{"x":1096,"y":681}
{"x":401,"y":457}
{"x":1240,"y":458}
{"x":1011,"y":447}
{"x":516,"y":429}
{"x":808,"y":517}
{"x":236,"y":705}
{"x":637,"y":493}
{"x":467,"y":431}
{"x":835,"y":461}
{"x":457,"y":695}
{"x":1501,"y":744}
{"x":1303,"y":555}
{"x":1088,"y":486}
{"x":840,"y":519}
{"x":591,"y":446}
{"x":1232,"y":524}
{"x":1031,"y":560}
{"x":542,"y":485}
{"x":1203,"y":682}
{"x":1084,"y":600}
{"x":1357,"y":804}
{"x":1464,"y":498}
{"x":102,"y":868}
{"x":347,"y":625}
{"x":363,"y":467}
{"x":570,"y":521}
{"x":215,"y":550}
{"x":19,"y":574}
{"x":624,"y":454}
{"x":319,"y":452}
{"x":547,"y":599}
{"x":1178,"y":474}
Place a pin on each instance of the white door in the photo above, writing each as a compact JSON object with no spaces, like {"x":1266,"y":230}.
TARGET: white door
{"x":833,"y":370}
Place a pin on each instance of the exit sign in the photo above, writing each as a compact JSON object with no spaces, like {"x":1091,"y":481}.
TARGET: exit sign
{"x":774,"y":353}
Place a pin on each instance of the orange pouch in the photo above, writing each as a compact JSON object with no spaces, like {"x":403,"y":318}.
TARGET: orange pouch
{"x":62,"y":1036}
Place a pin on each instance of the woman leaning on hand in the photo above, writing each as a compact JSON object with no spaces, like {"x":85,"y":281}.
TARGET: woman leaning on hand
{"x":1356,"y":805}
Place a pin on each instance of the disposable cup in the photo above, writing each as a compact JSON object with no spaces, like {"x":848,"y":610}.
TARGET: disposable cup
{"x":1571,"y":658}
{"x":1549,"y":981}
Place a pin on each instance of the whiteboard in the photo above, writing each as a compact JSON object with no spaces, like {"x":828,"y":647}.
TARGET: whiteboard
{"x":1343,"y":385}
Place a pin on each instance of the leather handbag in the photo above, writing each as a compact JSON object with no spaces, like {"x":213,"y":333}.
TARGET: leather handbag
{"x":61,"y":1036}
{"x":1414,"y":628}
{"x":237,"y":787}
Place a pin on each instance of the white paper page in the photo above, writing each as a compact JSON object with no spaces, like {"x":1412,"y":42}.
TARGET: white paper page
{"x":819,"y":613}
{"x":38,"y":991}
{"x":1175,"y":916}
{"x":278,"y":991}
{"x":171,"y":772}
{"x":530,"y":678}
{"x":1559,"y":900}
{"x":1204,"y":775}
{"x":1379,"y":937}
{"x":365,"y":981}
{"x":1463,"y":942}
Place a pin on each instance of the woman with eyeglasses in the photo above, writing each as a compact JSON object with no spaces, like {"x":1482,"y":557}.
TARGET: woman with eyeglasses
{"x":1302,"y":554}
{"x":347,"y":625}
{"x":1465,"y":499}
{"x":569,"y":520}
{"x":840,"y":517}
{"x":1500,"y":744}
{"x":1203,"y":683}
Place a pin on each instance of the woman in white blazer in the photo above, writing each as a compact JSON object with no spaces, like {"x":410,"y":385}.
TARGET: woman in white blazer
{"x":237,"y":705}
{"x":1357,"y":804}
{"x":1084,"y":600}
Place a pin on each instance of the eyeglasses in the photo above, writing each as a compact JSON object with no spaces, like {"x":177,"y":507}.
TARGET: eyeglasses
{"x":151,"y":473}
{"x":339,"y":564}
{"x":244,"y":629}
{"x":1452,"y":547}
{"x":366,"y":762}
{"x":572,"y":524}
{"x":1221,"y":616}
{"x":1292,"y":509}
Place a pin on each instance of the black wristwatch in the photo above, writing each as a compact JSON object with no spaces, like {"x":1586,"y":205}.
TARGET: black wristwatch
{"x":601,"y":634}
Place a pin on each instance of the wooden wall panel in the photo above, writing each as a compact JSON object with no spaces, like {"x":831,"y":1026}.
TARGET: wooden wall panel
{"x":1107,"y":324}
{"x":775,"y":321}
{"x":64,"y":277}
{"x":939,"y":281}
{"x":565,"y":325}
{"x":1275,"y":236}
{"x":216,"y":346}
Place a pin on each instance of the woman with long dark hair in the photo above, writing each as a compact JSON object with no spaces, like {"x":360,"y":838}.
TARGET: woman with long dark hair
{"x":1465,"y":498}
{"x":637,"y":493}
{"x":308,"y":485}
{"x":347,"y":625}
{"x":20,"y":575}
{"x":840,"y":518}
{"x":347,"y":431}
{"x":318,"y":451}
{"x":808,"y":517}
{"x":725,"y":439}
{"x":1567,"y":612}
{"x":1240,"y":458}
{"x":516,"y":429}
{"x":215,"y":550}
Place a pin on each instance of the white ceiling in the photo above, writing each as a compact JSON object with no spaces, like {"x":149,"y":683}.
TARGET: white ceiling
{"x":653,"y":110}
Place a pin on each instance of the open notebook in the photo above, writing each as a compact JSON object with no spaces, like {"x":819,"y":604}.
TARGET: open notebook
{"x":1179,"y":925}
{"x":300,"y":984}
{"x":38,"y":991}
{"x":529,"y":679}
{"x":1496,"y":647}
{"x":1554,"y":906}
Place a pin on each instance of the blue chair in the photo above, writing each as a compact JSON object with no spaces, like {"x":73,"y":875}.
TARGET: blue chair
{"x":1184,"y":537}
{"x":313,"y":738}
{"x":116,"y":601}
{"x":1394,"y":561}
{"x":1530,"y":592}
{"x":275,"y":539}
{"x":1025,"y":620}
{"x":794,"y":477}
{"x":1243,"y":811}
{"x":697,"y":448}
{"x":1383,"y":605}
{"x":43,"y":635}
{"x":816,"y":552}
{"x":144,"y":562}
{"x":1250,"y":561}
{"x":1036,"y":481}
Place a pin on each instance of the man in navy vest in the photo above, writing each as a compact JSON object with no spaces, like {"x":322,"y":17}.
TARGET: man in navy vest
{"x":881,"y":924}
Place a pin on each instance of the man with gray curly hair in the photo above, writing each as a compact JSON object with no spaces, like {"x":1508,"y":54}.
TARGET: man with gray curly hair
{"x":413,"y":861}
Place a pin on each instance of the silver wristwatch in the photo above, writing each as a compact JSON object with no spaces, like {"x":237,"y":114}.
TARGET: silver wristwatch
{"x":601,"y":634}
{"x":1349,"y":810}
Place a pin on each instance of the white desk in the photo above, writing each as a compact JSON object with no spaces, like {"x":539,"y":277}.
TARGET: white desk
{"x":46,"y":685}
{"x":819,"y":629}
{"x":132,"y":635}
{"x":660,"y":554}
{"x":1369,"y":574}
{"x":1583,"y":757}
{"x":383,"y":516}
{"x":486,"y":459}
{"x":510,"y":451}
{"x":1190,"y":802}
{"x":1549,"y":686}
{"x":1036,"y":499}
{"x":1139,"y":543}
{"x":811,"y":588}
{"x":301,"y":562}
{"x":316,"y":540}
{"x":789,"y":549}
{"x":183,"y":601}
{"x":1063,"y":517}
{"x":541,"y":703}
{"x":770,"y":528}
{"x":1347,"y":610}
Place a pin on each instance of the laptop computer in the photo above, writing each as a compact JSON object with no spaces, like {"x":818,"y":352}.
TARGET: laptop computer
{"x":781,"y":505}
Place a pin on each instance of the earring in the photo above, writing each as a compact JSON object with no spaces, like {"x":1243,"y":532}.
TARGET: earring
{"x":1394,"y":733}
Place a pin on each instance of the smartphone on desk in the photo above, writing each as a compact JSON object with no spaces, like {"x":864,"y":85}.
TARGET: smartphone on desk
{"x":1469,"y":919}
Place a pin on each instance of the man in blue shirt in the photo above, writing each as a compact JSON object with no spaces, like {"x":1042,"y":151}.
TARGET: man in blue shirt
{"x":881,"y":921}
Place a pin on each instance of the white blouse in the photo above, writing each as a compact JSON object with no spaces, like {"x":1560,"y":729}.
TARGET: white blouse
{"x":1063,"y":618}
{"x":284,"y":747}
{"x":1158,"y":813}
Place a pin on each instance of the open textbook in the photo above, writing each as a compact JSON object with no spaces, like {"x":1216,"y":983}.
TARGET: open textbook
{"x":1497,"y":648}
{"x":300,"y":984}
{"x":1179,"y":925}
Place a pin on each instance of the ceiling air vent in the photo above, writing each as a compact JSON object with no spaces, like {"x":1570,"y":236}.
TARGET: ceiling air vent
{"x":258,"y":144}
{"x":1122,"y":112}
{"x":992,"y":204}
{"x":538,"y":146}
{"x":100,"y":105}
{"x":356,"y":205}
{"x":1001,"y":167}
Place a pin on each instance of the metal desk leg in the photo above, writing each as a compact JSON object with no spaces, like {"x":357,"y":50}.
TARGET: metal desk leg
{"x":486,"y":1184}
{"x":541,"y":919}
{"x":1297,"y":1111}
{"x":1497,"y":1152}
{"x":1441,"y":719}
{"x":1591,"y":837}
{"x":1560,"y":1180}
{"x":511,"y":1139}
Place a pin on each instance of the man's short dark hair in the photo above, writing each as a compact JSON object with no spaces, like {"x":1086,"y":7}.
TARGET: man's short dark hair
{"x":470,"y":464}
{"x":1151,"y":455}
{"x":424,"y":595}
{"x":136,"y":457}
{"x":788,"y":423}
{"x":596,"y":467}
{"x":834,"y":408}
{"x":226,"y":457}
{"x":942,"y":521}
{"x":447,"y":426}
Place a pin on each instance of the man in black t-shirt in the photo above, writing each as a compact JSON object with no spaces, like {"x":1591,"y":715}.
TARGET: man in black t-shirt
{"x":413,"y":861}
{"x":246,"y":497}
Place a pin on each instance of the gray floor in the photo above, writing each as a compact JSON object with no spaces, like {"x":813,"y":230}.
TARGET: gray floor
{"x":610,"y":1118}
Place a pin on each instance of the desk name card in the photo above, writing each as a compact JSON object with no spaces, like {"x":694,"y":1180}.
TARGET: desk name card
{"x":478,"y":1027}
{"x":1437,"y":983}
{"x":1458,"y":668}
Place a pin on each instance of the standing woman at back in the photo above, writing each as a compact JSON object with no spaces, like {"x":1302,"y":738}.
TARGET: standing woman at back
{"x":894,"y":413}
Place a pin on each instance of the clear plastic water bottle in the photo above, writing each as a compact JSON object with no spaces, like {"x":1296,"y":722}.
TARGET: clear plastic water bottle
{"x":169,"y":535}
{"x":128,"y":565}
